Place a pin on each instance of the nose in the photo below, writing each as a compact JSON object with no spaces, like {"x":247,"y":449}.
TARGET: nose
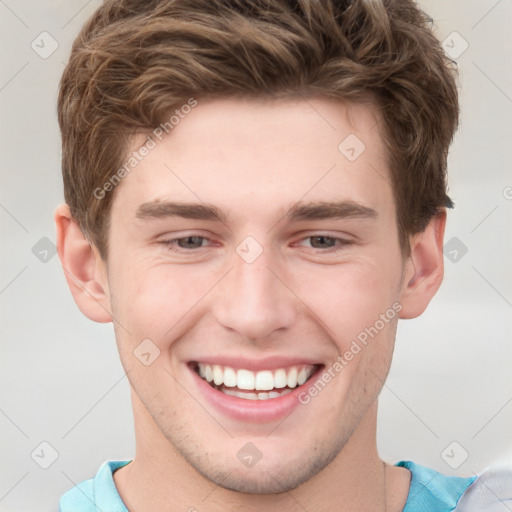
{"x":253,"y":299}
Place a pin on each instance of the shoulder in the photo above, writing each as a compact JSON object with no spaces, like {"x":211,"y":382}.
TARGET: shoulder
{"x":80,"y":497}
{"x":431,"y":491}
{"x":96,"y":493}
{"x":491,"y":491}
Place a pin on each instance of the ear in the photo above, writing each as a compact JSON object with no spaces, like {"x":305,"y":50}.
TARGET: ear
{"x":83,"y":267}
{"x":424,"y":269}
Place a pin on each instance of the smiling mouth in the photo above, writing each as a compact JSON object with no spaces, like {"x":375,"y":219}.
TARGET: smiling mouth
{"x":260,"y":385}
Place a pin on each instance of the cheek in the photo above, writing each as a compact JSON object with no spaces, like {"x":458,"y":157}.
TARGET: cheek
{"x":350,"y":298}
{"x":155,"y":300}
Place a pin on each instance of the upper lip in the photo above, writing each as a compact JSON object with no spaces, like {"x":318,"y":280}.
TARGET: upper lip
{"x":254,"y":364}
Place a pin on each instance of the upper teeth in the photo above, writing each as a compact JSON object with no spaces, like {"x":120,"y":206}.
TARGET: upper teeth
{"x":264,"y":380}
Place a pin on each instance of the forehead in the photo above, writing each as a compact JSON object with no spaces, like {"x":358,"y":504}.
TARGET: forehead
{"x":258,"y":156}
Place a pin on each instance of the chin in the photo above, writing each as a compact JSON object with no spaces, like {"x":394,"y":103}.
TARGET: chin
{"x":257,"y":481}
{"x":277,"y":474}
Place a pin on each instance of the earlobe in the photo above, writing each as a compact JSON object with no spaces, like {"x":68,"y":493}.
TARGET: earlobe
{"x":84,"y":270}
{"x":424,"y":269}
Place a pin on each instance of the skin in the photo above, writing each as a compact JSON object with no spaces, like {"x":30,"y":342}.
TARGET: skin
{"x":254,"y":159}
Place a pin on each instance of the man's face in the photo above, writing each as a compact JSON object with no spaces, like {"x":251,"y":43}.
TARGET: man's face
{"x":271,"y":293}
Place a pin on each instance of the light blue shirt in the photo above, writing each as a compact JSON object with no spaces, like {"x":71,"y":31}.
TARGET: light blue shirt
{"x":430,"y":491}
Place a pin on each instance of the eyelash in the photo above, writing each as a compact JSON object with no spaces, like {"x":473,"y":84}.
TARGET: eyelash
{"x":171,"y":243}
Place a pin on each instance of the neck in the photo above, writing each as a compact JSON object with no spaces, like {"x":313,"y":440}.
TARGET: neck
{"x":159,"y":478}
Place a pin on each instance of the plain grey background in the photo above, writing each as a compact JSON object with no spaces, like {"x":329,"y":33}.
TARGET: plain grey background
{"x":447,"y":401}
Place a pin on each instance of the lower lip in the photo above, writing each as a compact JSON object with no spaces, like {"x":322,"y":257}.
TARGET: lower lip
{"x":254,"y":411}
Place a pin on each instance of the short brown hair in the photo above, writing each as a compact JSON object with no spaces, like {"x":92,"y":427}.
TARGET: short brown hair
{"x":136,"y":61}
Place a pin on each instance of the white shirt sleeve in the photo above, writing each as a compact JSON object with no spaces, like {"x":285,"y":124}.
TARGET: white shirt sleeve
{"x":490,"y":492}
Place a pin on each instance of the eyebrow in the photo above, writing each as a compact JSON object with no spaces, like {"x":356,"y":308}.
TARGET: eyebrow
{"x":330,"y":210}
{"x":320,"y":210}
{"x":162,"y":209}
